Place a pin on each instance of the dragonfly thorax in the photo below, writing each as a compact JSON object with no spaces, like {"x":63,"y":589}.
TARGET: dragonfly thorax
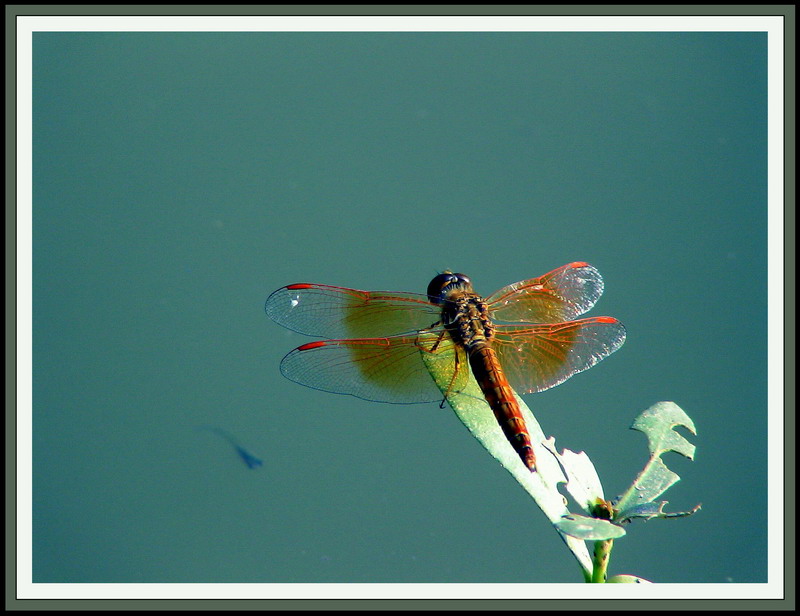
{"x":467,"y":319}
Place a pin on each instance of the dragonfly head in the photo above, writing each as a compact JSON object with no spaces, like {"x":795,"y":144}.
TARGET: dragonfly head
{"x":443,"y":285}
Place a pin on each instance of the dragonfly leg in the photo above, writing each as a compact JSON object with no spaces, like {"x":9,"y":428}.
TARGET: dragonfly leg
{"x":452,"y":381}
{"x":436,"y":344}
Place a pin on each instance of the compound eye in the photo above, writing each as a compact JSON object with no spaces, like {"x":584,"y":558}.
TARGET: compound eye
{"x":441,"y":283}
{"x":463,"y":280}
{"x":438,"y":284}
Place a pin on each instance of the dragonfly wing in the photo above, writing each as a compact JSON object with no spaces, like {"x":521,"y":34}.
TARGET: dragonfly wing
{"x":337,"y":312}
{"x":560,"y":295}
{"x":379,"y":369}
{"x":538,"y":357}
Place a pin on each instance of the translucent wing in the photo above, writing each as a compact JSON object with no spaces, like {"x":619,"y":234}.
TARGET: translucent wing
{"x":561,"y":295}
{"x":336,"y":312}
{"x":538,"y":357}
{"x":379,"y":369}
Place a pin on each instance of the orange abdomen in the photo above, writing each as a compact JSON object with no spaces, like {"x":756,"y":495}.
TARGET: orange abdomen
{"x":498,"y":393}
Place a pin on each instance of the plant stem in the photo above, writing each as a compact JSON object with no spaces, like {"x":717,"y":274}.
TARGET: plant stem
{"x":602,"y":554}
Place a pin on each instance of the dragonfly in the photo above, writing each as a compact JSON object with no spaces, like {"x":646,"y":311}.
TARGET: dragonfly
{"x":525,"y":337}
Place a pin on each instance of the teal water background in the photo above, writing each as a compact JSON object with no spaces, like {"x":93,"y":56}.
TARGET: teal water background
{"x":179,"y":178}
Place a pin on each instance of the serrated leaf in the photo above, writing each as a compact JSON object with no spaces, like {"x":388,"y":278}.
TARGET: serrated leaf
{"x":658,"y":422}
{"x":473,"y":411}
{"x":592,"y":529}
{"x":651,"y":483}
{"x":652,"y":510}
{"x":583,"y":483}
{"x":648,"y":511}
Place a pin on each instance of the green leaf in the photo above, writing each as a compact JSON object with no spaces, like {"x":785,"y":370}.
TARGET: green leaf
{"x":627,"y":579}
{"x":583,"y":483}
{"x":585,"y":528}
{"x":473,"y":411}
{"x":651,"y":483}
{"x":657,"y":424}
{"x":651,"y":510}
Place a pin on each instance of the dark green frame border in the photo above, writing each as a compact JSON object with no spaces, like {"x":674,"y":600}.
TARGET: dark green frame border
{"x":787,"y":11}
